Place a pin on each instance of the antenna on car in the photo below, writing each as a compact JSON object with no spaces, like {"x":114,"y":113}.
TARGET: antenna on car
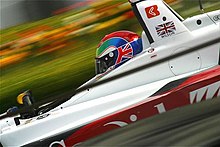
{"x":201,"y":6}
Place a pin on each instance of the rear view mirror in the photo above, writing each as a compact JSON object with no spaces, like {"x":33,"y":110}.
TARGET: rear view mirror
{"x":25,"y":98}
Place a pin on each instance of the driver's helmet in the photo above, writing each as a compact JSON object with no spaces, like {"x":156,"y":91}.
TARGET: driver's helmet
{"x":115,"y":49}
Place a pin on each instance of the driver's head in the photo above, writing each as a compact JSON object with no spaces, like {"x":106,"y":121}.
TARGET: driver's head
{"x":116,"y":49}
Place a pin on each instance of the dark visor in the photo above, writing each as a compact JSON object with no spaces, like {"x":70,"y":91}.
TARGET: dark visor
{"x":103,"y":63}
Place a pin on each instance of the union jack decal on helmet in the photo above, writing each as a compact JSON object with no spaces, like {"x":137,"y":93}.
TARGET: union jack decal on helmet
{"x":125,"y":52}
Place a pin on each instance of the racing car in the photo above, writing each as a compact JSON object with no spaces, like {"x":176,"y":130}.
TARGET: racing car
{"x":150,"y":90}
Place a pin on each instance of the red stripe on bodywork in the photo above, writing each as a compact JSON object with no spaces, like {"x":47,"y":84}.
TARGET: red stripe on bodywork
{"x":172,"y":99}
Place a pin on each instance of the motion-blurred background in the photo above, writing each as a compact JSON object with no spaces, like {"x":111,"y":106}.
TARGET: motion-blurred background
{"x":48,"y":46}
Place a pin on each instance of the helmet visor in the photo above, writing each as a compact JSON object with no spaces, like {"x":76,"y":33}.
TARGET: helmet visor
{"x":104,"y":62}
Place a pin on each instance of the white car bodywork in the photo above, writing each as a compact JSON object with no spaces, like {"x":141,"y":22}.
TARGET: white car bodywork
{"x":110,"y":97}
{"x":198,"y":60}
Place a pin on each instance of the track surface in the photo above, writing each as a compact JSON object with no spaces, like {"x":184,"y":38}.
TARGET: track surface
{"x":197,"y":124}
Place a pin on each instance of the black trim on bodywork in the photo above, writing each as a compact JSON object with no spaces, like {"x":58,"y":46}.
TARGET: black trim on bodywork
{"x":168,"y":7}
{"x":136,"y":2}
{"x":141,"y":21}
{"x":170,"y":86}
